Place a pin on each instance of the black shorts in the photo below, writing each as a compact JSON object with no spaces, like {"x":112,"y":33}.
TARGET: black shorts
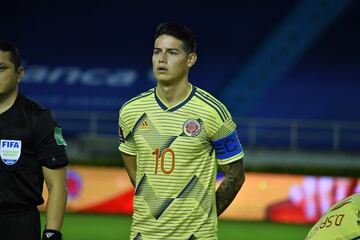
{"x":20,"y":226}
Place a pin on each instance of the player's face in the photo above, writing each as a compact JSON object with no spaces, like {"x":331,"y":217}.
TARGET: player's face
{"x":9,"y":77}
{"x":170,"y":62}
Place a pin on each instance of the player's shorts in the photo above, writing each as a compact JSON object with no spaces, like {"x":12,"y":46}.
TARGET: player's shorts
{"x":23,"y":225}
{"x":342,"y":221}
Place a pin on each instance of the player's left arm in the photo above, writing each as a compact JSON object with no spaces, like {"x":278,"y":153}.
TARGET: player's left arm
{"x":231,"y":184}
{"x":55,"y":180}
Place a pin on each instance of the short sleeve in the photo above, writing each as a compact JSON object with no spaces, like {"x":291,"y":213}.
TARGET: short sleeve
{"x":126,"y":138}
{"x":50,"y":144}
{"x":226,"y":142}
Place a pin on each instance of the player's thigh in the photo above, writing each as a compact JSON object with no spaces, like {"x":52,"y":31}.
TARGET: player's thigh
{"x":20,"y":226}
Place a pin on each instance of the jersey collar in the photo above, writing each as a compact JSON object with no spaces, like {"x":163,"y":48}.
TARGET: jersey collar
{"x":179,"y":105}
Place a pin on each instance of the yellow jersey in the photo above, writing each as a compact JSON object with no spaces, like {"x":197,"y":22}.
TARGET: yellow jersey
{"x":177,"y":152}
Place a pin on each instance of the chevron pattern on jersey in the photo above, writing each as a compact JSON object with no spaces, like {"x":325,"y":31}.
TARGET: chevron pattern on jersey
{"x":148,"y":131}
{"x":138,"y":237}
{"x":156,"y":205}
{"x":192,"y":237}
{"x":194,"y":189}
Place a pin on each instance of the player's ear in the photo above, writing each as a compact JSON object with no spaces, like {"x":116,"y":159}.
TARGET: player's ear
{"x":20,"y":74}
{"x":192,"y":57}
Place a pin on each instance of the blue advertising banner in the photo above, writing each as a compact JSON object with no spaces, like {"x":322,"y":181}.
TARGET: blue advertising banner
{"x":83,"y":88}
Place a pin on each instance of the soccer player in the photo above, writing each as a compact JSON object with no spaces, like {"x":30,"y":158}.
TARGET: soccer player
{"x":341,"y":221}
{"x":172,"y":139}
{"x":31,"y":150}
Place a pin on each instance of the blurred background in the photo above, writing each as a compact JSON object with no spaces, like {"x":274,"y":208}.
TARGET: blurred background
{"x":288,"y":71}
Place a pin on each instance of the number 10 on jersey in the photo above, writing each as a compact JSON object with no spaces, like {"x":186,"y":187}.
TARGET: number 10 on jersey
{"x":166,"y":153}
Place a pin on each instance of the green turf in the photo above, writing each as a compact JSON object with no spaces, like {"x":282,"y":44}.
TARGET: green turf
{"x":117,"y":227}
{"x":231,"y":230}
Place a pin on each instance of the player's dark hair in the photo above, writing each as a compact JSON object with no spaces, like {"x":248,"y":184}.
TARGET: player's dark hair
{"x":14,"y":53}
{"x":180,"y":32}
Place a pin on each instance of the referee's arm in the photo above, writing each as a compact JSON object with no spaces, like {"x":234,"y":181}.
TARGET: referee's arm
{"x":55,"y":180}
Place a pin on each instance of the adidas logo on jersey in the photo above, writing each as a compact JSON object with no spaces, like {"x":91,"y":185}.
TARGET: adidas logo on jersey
{"x":49,"y":234}
{"x":144,"y":125}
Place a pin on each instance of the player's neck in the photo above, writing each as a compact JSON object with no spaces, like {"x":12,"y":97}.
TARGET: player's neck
{"x":7,"y":100}
{"x":173,"y":94}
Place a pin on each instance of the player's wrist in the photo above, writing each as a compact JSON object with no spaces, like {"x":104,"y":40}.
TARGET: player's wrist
{"x":50,"y":234}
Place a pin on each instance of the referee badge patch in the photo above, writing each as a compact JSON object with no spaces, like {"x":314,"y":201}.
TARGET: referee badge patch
{"x":10,"y":151}
{"x":58,"y":136}
{"x":192,"y":127}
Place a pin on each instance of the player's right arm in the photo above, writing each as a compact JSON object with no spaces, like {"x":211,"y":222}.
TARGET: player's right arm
{"x":130,"y":165}
{"x":127,"y":146}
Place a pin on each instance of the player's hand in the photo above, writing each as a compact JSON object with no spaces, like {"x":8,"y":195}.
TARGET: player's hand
{"x":50,"y":234}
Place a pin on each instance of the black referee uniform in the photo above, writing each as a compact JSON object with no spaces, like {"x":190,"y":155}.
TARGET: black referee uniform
{"x":29,"y":139}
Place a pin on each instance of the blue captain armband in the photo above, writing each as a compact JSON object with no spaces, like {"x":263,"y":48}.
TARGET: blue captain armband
{"x":228,"y":146}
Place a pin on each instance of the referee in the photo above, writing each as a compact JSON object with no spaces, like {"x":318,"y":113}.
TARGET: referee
{"x":31,"y":149}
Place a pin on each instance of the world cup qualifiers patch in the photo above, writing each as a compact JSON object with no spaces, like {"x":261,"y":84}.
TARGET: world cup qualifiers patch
{"x":10,"y":151}
{"x":58,"y":136}
{"x":192,"y":127}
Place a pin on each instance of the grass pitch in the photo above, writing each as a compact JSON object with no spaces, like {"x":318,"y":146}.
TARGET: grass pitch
{"x":117,"y":227}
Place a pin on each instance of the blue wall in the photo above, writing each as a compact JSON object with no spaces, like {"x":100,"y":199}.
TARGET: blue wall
{"x":325,"y":82}
{"x":95,"y":55}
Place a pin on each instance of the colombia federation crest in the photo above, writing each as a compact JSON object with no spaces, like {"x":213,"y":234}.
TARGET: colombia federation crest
{"x":192,"y":127}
